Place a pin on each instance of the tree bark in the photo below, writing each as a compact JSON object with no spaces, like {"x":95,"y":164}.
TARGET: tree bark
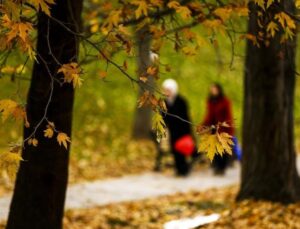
{"x":39,"y":195}
{"x":269,"y":159}
{"x":143,"y":115}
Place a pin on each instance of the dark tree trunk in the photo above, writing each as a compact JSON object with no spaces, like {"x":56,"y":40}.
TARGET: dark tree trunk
{"x":39,"y":195}
{"x":142,"y":120}
{"x":269,"y":159}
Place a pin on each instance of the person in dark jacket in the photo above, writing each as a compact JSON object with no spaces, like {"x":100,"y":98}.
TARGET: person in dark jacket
{"x":177,"y":106}
{"x":219,"y":110}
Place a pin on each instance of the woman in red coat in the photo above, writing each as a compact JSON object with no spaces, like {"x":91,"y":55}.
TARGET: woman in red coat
{"x":219,"y":110}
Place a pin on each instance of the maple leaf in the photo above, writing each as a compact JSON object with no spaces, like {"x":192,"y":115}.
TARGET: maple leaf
{"x":285,"y":20}
{"x":16,"y":29}
{"x":142,"y":8}
{"x":152,"y":70}
{"x":113,"y":19}
{"x":242,"y":11}
{"x":218,"y":143}
{"x":7,"y":107}
{"x":158,"y":124}
{"x":49,"y":131}
{"x":63,"y":139}
{"x":223,"y":13}
{"x":184,"y":12}
{"x":71,"y":73}
{"x":43,"y":5}
{"x":250,"y":37}
{"x":173,"y":4}
{"x":272,"y":28}
{"x":10,"y":161}
{"x":214,"y":25}
{"x":297,"y":3}
{"x":33,"y":141}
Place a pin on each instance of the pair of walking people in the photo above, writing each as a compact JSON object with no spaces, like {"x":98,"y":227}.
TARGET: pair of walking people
{"x":218,"y":110}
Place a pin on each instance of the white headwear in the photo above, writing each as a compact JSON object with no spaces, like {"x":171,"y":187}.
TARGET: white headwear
{"x":171,"y":85}
{"x":153,"y":57}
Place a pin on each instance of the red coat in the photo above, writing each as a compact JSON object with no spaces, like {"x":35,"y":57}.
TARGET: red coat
{"x":219,"y":110}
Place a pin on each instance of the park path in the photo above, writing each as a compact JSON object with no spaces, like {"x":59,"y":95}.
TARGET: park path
{"x":136,"y":187}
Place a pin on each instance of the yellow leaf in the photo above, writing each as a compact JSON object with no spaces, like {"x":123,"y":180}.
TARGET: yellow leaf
{"x":250,"y":37}
{"x":272,"y":28}
{"x":48,"y":133}
{"x":144,"y":79}
{"x":142,"y":8}
{"x":113,"y":19}
{"x":63,"y":139}
{"x":71,"y":73}
{"x":223,"y":13}
{"x":158,"y":124}
{"x":285,"y":20}
{"x":173,"y":4}
{"x":16,"y":29}
{"x":226,"y":141}
{"x":8,"y":70}
{"x":214,"y":25}
{"x":43,"y":5}
{"x":260,"y":3}
{"x":242,"y":11}
{"x":152,"y":70}
{"x":189,"y":51}
{"x":10,"y":161}
{"x":184,"y":12}
{"x":269,"y":3}
{"x":298,"y":3}
{"x":33,"y":141}
{"x":213,"y":144}
{"x":7,"y":107}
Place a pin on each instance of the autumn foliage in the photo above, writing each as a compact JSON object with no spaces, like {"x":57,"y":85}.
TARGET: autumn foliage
{"x":109,"y":30}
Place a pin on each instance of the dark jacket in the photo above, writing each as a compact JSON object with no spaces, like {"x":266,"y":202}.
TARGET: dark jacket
{"x":177,"y":127}
{"x":219,"y":110}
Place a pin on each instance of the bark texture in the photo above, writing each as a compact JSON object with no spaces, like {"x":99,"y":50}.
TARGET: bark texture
{"x":39,"y":195}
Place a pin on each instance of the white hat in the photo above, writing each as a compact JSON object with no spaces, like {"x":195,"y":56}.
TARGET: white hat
{"x":171,"y":85}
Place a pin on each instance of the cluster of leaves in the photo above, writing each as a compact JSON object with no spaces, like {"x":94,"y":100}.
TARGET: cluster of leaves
{"x":17,"y":26}
{"x":10,"y":161}
{"x":17,"y":34}
{"x":273,"y":20}
{"x":213,"y":141}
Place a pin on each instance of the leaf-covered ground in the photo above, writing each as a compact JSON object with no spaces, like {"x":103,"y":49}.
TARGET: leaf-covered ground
{"x":153,"y":213}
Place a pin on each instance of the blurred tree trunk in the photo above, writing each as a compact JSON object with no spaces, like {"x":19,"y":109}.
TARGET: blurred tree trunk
{"x":39,"y":195}
{"x":142,"y":120}
{"x":269,"y":159}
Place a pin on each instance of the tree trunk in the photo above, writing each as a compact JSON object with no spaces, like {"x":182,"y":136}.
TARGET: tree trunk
{"x":269,"y":159}
{"x":142,"y":120}
{"x":39,"y":195}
